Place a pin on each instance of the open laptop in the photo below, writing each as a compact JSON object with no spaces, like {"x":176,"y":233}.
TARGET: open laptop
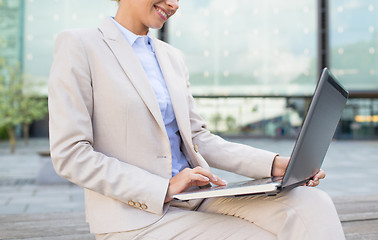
{"x":309,"y":151}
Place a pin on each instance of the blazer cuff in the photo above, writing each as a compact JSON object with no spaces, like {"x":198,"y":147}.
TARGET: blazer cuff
{"x":263,"y":167}
{"x":153,"y":201}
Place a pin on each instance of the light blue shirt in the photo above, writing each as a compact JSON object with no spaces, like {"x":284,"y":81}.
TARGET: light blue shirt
{"x":144,"y":49}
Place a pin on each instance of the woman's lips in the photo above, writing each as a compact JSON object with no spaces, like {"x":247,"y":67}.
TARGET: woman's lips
{"x":162,"y":13}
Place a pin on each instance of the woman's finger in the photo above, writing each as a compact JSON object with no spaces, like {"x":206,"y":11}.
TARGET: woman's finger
{"x":316,"y":179}
{"x":198,"y":177}
{"x":204,"y":172}
{"x":320,"y":175}
{"x":212,"y":178}
{"x":312,"y":183}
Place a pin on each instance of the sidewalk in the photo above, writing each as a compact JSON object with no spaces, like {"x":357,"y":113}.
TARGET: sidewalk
{"x":19,"y":191}
{"x":351,"y":167}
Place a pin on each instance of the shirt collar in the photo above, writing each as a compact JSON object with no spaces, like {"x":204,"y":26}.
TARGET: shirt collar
{"x":132,"y":37}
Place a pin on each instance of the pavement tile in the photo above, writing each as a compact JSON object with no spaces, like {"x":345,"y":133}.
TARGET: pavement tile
{"x":351,"y":167}
{"x":4,"y":200}
{"x":40,"y":200}
{"x":56,"y":207}
{"x":77,"y":197}
{"x":17,"y":194}
{"x":14,"y":209}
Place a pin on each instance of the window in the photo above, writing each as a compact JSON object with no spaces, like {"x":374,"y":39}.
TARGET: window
{"x":248,"y":47}
{"x":354,"y":43}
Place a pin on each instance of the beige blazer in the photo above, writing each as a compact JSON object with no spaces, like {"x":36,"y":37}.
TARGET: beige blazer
{"x":107,"y":134}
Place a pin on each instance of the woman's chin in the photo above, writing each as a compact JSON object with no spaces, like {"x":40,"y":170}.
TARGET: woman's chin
{"x":157,"y":26}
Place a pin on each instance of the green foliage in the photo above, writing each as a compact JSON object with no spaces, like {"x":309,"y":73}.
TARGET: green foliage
{"x":10,"y":96}
{"x":3,"y":133}
{"x":32,"y":109}
{"x":17,"y":106}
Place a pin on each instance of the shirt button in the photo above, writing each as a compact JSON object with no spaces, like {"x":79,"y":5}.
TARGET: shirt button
{"x":137,"y":205}
{"x":144,"y":206}
{"x":196,"y":148}
{"x":131,"y":203}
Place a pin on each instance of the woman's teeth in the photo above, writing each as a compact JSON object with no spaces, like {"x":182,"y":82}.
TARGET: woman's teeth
{"x":162,"y":12}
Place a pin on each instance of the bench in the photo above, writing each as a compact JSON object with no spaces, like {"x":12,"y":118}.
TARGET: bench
{"x":359,"y":217}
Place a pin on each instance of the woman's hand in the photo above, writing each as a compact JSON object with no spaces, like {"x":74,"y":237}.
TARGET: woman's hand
{"x":279,"y":168}
{"x":188,"y":177}
{"x":315,"y":179}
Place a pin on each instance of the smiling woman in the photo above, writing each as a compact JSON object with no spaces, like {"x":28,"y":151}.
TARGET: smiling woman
{"x":124,"y":127}
{"x":140,"y":16}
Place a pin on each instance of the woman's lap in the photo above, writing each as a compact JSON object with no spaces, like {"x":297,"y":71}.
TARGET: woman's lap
{"x":182,"y":224}
{"x":302,"y":213}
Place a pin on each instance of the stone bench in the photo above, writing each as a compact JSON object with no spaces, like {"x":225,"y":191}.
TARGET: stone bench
{"x":45,"y":226}
{"x":359,"y":217}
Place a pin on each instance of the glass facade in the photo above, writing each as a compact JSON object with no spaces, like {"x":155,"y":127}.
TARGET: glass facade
{"x":270,"y":48}
{"x":248,"y":47}
{"x":354,"y":60}
{"x":43,"y":20}
{"x":253,"y":64}
{"x":11,"y":30}
{"x":251,"y":116}
{"x":360,"y":119}
{"x":354,"y":43}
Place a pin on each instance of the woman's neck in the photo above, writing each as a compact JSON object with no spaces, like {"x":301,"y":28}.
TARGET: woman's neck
{"x":128,"y":20}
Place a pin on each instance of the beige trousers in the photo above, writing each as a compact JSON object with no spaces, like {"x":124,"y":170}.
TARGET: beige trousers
{"x":303,"y":213}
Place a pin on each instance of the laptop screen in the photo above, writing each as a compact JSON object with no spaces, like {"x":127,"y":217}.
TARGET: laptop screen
{"x":317,"y":130}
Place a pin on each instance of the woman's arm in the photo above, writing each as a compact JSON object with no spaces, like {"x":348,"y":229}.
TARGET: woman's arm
{"x":71,"y":134}
{"x":280,"y":165}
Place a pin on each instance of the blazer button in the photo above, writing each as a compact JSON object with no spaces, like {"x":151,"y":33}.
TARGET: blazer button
{"x":144,"y":206}
{"x":137,"y":204}
{"x":196,"y":148}
{"x":131,"y":203}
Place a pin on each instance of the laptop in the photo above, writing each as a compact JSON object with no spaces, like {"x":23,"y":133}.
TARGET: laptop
{"x":311,"y":146}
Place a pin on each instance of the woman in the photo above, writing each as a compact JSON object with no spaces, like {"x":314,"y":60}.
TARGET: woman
{"x":123,"y":126}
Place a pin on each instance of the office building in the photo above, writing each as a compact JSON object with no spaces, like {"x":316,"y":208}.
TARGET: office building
{"x":253,"y":64}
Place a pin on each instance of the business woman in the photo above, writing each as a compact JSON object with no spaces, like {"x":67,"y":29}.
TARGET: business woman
{"x":124,"y":127}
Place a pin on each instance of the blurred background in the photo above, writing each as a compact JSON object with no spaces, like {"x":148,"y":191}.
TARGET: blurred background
{"x":253,"y":64}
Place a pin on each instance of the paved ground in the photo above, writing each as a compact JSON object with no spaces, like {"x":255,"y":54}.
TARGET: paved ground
{"x":351,"y":166}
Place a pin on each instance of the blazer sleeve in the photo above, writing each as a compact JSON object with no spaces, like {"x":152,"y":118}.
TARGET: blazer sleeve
{"x":71,"y":137}
{"x":219,"y":153}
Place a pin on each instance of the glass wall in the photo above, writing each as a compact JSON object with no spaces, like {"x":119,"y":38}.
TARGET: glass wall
{"x":354,"y":60}
{"x":264,"y":52}
{"x":250,"y":116}
{"x":360,"y":119}
{"x":11,"y":26}
{"x":44,"y":19}
{"x":354,"y":43}
{"x":269,"y":48}
{"x":248,"y":47}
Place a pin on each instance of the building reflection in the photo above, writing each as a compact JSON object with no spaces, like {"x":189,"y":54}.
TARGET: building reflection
{"x":253,"y":64}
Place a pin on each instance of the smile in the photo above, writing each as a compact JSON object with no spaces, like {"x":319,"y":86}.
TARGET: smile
{"x":162,"y":13}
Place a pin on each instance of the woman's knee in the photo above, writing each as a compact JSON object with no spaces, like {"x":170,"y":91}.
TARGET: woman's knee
{"x":312,"y":201}
{"x":311,"y":195}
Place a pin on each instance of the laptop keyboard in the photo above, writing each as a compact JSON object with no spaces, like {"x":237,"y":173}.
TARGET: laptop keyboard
{"x":251,"y":182}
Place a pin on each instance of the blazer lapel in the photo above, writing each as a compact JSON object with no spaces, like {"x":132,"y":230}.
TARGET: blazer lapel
{"x":132,"y":67}
{"x":176,"y":90}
